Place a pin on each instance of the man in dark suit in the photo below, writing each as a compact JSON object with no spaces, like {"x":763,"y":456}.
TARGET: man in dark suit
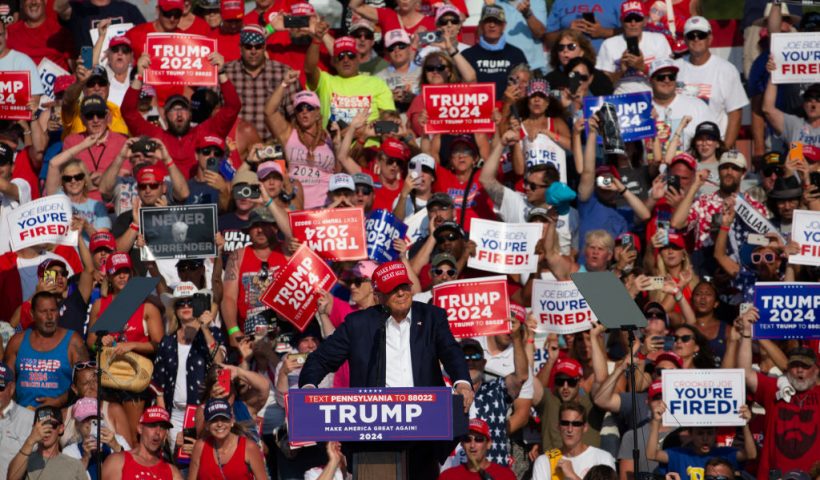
{"x":398,"y":343}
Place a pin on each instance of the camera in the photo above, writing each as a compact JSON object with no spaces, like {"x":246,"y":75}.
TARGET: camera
{"x":247,"y":191}
{"x":426,"y":38}
{"x":269,"y":152}
{"x":603,"y":181}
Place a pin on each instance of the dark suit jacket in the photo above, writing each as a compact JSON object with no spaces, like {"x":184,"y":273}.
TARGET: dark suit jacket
{"x":360,"y":341}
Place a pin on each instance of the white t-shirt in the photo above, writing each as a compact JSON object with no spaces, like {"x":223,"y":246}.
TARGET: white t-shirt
{"x":117,"y":89}
{"x":15,"y":60}
{"x":514,"y":209}
{"x":7,"y":205}
{"x":581,"y":464}
{"x":181,"y":384}
{"x":716,"y":82}
{"x":653,"y":46}
{"x":680,"y":107}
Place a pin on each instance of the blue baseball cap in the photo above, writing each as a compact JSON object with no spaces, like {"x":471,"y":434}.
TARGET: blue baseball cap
{"x":6,"y":376}
{"x":560,"y":195}
{"x":216,"y":408}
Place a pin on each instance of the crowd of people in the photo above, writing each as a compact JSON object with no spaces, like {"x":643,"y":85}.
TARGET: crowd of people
{"x":319,"y":106}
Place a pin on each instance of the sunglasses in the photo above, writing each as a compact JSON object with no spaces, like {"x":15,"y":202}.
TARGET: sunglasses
{"x":365,"y":190}
{"x":93,"y":115}
{"x":533,"y":186}
{"x":304,"y":106}
{"x":662,"y":77}
{"x":175,"y":13}
{"x":440,"y":271}
{"x":475,"y":357}
{"x":188,"y":268}
{"x":696,"y":36}
{"x":59,"y":273}
{"x":580,"y":76}
{"x":684,"y":338}
{"x":768,"y":171}
{"x":767,"y":257}
{"x":633,"y":19}
{"x":73,"y":178}
{"x":567,"y":46}
{"x":435,"y":68}
{"x":475,"y":439}
{"x":343,"y":55}
{"x":97,"y":82}
{"x":217,"y":152}
{"x":658,"y":315}
{"x":390,"y":161}
{"x":809,"y":98}
{"x":82,"y":366}
{"x":359,"y":281}
{"x":147,"y":186}
{"x":400,"y":46}
{"x":574,"y":423}
{"x":449,"y":237}
{"x":561,"y":381}
{"x":184,"y":303}
{"x":125,"y":49}
{"x":248,"y":46}
{"x":365,"y":36}
{"x":448,"y":21}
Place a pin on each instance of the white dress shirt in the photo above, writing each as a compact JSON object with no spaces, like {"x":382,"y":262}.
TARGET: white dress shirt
{"x":399,"y":370}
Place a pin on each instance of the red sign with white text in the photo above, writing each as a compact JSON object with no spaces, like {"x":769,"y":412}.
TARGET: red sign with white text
{"x":294,"y":292}
{"x":459,"y":107}
{"x":335,"y":234}
{"x":15,"y":93}
{"x":180,"y":59}
{"x":475,"y":307}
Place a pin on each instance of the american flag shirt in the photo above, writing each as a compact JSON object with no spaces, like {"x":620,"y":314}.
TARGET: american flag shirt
{"x":704,"y":208}
{"x":491,"y":405}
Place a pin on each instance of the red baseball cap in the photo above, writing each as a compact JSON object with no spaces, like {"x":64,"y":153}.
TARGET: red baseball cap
{"x":670,"y":356}
{"x":206,"y":141}
{"x":608,"y":169}
{"x":631,"y":7}
{"x":395,"y":148}
{"x":232,"y":10}
{"x":389,"y":276}
{"x":102,"y":239}
{"x":48,"y":263}
{"x":149,"y":174}
{"x":62,"y":83}
{"x":168,"y":5}
{"x":686,"y":159}
{"x":570,"y":368}
{"x":478,"y":425}
{"x":120,"y":40}
{"x":677,"y":240}
{"x":117,"y":261}
{"x":344,"y":44}
{"x":303,"y":9}
{"x":156,"y":415}
{"x":655,"y":389}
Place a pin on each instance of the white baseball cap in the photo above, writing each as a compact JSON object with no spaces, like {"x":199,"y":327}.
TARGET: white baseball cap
{"x":341,"y":181}
{"x":697,"y":24}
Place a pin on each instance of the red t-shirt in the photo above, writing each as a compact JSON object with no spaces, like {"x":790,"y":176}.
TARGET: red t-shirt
{"x":479,"y":203}
{"x":227,"y":45}
{"x":139,"y":35}
{"x":49,"y":40}
{"x":389,"y":20}
{"x":790,"y":436}
{"x":199,"y":27}
{"x":462,"y":473}
{"x":23,"y":169}
{"x":99,"y":157}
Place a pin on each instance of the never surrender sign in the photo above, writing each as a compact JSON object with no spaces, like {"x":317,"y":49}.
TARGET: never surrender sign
{"x":797,"y":57}
{"x":475,"y":307}
{"x":634,"y":113}
{"x":45,"y":220}
{"x":368,"y":414}
{"x":504,"y":247}
{"x":806,"y":232}
{"x":459,"y":107}
{"x":382,"y":228}
{"x":787,"y":310}
{"x":179,"y":232}
{"x":180,"y":59}
{"x":15,"y":93}
{"x":336,"y":234}
{"x":703,"y":398}
{"x":294,"y":293}
{"x":560,"y":308}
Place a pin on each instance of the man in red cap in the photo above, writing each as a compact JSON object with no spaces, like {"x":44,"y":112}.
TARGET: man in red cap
{"x":120,"y":55}
{"x":227,"y":36}
{"x":145,"y":460}
{"x":566,"y":388}
{"x":168,"y":14}
{"x":476,"y":445}
{"x":151,"y":190}
{"x":398,"y":343}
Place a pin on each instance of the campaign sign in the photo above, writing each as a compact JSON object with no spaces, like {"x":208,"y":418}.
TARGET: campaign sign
{"x":806,"y":232}
{"x":294,"y":293}
{"x":475,"y":307}
{"x":179,"y":232}
{"x":336,"y":234}
{"x":703,"y":398}
{"x":15,"y":93}
{"x":459,"y":107}
{"x":797,"y":57}
{"x":113,"y":30}
{"x":560,"y":308}
{"x":634,"y":113}
{"x":504,"y":247}
{"x":370,"y":414}
{"x":180,"y":59}
{"x":787,"y":310}
{"x":382,"y":228}
{"x":542,"y":150}
{"x":45,"y":220}
{"x":49,"y":71}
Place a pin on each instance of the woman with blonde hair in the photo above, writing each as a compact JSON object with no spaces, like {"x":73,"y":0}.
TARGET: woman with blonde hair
{"x":572,"y":44}
{"x":673,"y":262}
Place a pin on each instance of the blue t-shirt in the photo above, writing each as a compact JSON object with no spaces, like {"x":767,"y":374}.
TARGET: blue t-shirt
{"x":597,"y":216}
{"x":519,"y":34}
{"x":691,"y":466}
{"x":93,"y":212}
{"x":607,"y":13}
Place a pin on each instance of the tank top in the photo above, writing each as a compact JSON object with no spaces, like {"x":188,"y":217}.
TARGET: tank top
{"x":543,"y":150}
{"x":131,"y":470}
{"x":233,"y":468}
{"x":42,"y":374}
{"x":315,"y":175}
{"x":136,"y":330}
{"x":253,"y":282}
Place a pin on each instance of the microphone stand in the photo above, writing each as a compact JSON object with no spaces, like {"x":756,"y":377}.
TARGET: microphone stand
{"x":630,"y":329}
{"x":98,"y":349}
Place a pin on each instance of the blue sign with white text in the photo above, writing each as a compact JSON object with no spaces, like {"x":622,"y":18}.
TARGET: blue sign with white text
{"x":634,"y":113}
{"x":787,"y":310}
{"x":381,"y":228}
{"x":370,"y":414}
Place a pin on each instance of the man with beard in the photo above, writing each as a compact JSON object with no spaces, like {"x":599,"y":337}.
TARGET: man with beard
{"x":249,"y":272}
{"x":145,"y":460}
{"x":476,"y":444}
{"x":256,"y":78}
{"x":44,"y":344}
{"x":181,"y":138}
{"x":792,"y":405}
